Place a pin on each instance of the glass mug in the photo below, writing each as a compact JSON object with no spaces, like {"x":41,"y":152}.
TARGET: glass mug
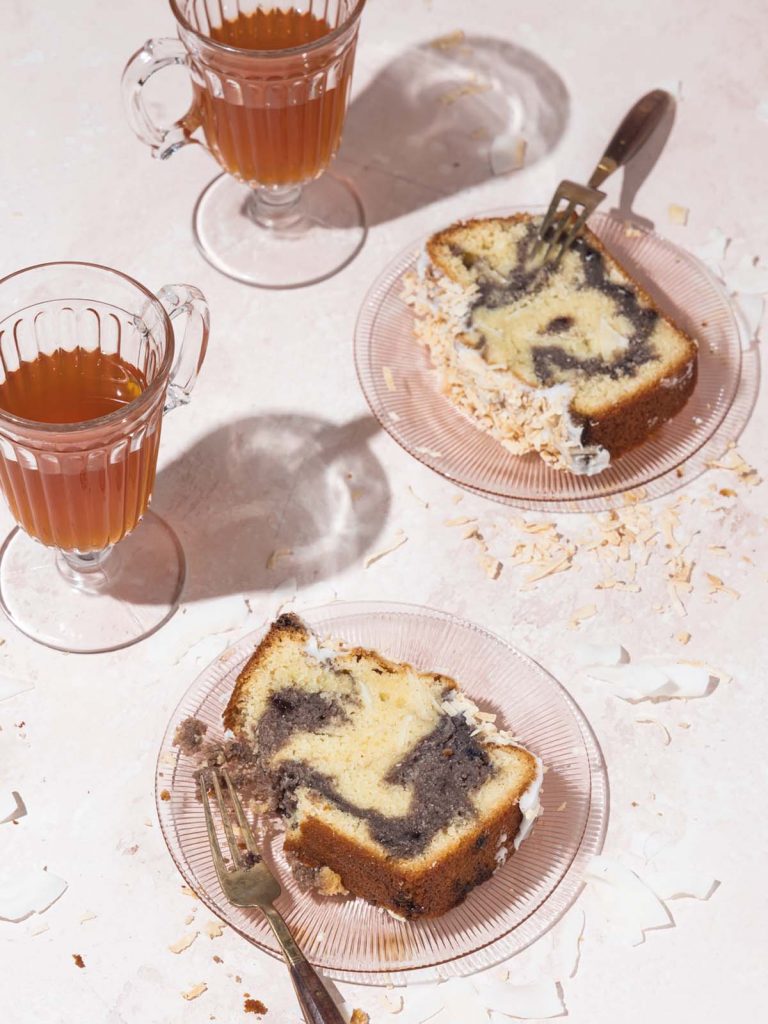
{"x":88,"y":367}
{"x":270,"y":90}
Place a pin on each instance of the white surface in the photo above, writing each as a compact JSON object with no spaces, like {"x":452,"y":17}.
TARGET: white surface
{"x":257,"y":465}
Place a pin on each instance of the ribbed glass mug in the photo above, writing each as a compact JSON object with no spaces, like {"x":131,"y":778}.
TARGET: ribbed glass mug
{"x":78,"y":488}
{"x":270,"y":90}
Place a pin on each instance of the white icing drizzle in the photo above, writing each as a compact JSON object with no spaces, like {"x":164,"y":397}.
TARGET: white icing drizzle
{"x":314,"y":649}
{"x":530,"y":805}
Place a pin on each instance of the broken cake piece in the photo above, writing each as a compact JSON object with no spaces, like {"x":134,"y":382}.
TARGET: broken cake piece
{"x":572,"y":360}
{"x":388,"y":777}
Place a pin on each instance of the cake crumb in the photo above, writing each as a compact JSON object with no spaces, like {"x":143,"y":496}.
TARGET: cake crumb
{"x":217,"y":959}
{"x":79,"y":962}
{"x":195,"y":991}
{"x":254,"y":1006}
{"x":189,"y":892}
{"x":389,"y":379}
{"x":563,"y":805}
{"x":183,"y":943}
{"x":677,"y":214}
{"x":329,"y":883}
{"x":359,"y":1017}
{"x":214,"y":929}
{"x":165,"y":794}
{"x":683,"y":637}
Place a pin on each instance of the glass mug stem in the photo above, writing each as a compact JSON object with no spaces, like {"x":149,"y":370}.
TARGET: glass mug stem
{"x":276,"y":207}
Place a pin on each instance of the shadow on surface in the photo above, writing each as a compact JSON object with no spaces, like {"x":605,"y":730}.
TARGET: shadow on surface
{"x":272,"y":497}
{"x":427,"y":121}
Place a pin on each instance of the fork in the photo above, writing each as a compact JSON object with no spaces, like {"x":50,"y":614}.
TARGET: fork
{"x":248,"y":882}
{"x":561,"y":226}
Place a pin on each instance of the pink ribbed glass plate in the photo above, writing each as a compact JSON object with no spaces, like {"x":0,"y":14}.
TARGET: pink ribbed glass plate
{"x":432,"y":429}
{"x":347,"y":937}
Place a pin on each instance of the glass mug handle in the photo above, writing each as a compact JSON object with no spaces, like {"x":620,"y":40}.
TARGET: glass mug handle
{"x":155,"y":55}
{"x":185,"y":300}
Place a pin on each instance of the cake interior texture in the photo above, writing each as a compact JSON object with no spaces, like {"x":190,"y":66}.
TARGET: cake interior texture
{"x":573,"y":360}
{"x":385,"y":776}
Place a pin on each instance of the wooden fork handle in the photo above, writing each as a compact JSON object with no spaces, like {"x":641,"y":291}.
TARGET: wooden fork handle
{"x":314,"y":998}
{"x":632,"y":134}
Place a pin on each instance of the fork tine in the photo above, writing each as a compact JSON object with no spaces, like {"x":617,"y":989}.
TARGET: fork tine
{"x":547,"y":223}
{"x":563,"y":225}
{"x":569,"y":239}
{"x":242,"y":821}
{"x":225,"y":820}
{"x":213,"y":839}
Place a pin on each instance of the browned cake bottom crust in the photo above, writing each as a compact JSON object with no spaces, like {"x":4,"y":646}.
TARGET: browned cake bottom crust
{"x":629,"y":424}
{"x":408,"y":892}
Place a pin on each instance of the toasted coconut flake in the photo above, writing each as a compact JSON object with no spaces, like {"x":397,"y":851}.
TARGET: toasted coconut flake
{"x":449,"y":41}
{"x":183,"y":943}
{"x":460,"y":521}
{"x":276,"y":555}
{"x":195,"y":991}
{"x":469,"y":88}
{"x":421,"y":501}
{"x":369,"y":561}
{"x":389,"y":379}
{"x":667,"y":737}
{"x":587,"y":611}
{"x":491,"y":566}
{"x":718,"y":587}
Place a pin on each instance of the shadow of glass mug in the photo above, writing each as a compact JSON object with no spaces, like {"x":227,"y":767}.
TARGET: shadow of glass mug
{"x":79,"y":489}
{"x":270,"y":93}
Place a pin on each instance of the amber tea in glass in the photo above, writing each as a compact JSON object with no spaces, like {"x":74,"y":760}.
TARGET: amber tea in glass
{"x":270,"y":89}
{"x":88,"y":366}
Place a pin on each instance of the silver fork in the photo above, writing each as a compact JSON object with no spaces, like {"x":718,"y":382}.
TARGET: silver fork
{"x":560,"y":227}
{"x":248,"y":882}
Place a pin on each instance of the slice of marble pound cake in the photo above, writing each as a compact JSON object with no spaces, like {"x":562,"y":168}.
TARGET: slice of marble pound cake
{"x":389,"y":777}
{"x":574,"y":362}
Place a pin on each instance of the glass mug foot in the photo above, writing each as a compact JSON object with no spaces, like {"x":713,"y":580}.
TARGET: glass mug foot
{"x":279,"y":238}
{"x":100,"y":607}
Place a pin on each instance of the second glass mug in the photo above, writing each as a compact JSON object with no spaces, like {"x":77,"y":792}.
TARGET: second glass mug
{"x":101,"y":571}
{"x":270,"y":92}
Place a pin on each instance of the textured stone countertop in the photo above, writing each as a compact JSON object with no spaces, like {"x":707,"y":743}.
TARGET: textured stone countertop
{"x":245,"y":470}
